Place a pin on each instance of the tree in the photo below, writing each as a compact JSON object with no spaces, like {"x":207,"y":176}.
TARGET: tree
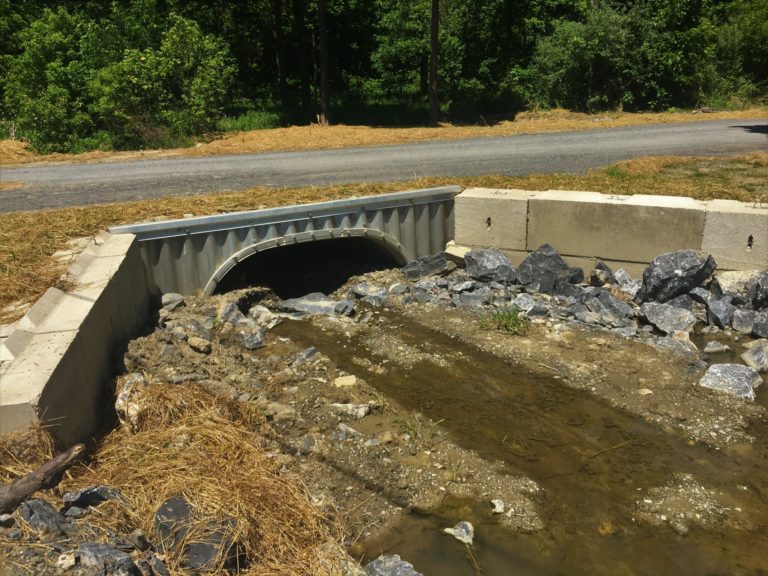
{"x":322,"y":26}
{"x":434,"y":44}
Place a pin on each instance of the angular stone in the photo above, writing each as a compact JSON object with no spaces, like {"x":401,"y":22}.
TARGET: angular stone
{"x":43,"y":517}
{"x":253,"y":339}
{"x":739,"y":284}
{"x":318,"y":303}
{"x":732,"y":378}
{"x":463,"y":286}
{"x":363,"y":289}
{"x":345,"y":381}
{"x":720,"y":312}
{"x":572,"y":274}
{"x":357,"y":411}
{"x":760,"y":298}
{"x":715,"y":347}
{"x":200,"y":345}
{"x":760,"y":327}
{"x":700,"y":295}
{"x":489,"y":265}
{"x":675,"y":273}
{"x":463,"y":531}
{"x":91,"y":496}
{"x":601,"y":274}
{"x":471,"y":299}
{"x":171,"y":300}
{"x":626,"y":283}
{"x":172,"y":522}
{"x":683,"y":301}
{"x":666,"y":318}
{"x":106,"y":559}
{"x":743,"y":320}
{"x":541,"y":269}
{"x":565,"y":289}
{"x":264,"y":316}
{"x":215,"y":547}
{"x":230,"y":314}
{"x":398,"y":288}
{"x":757,"y":357}
{"x":435,"y":265}
{"x":390,"y":565}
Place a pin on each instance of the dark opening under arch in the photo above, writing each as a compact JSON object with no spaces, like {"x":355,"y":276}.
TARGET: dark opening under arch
{"x":322,"y":266}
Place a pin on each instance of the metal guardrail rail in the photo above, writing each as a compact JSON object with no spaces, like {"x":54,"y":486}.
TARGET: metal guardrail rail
{"x":192,"y":255}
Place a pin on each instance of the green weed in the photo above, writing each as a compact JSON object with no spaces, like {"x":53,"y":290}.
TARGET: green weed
{"x":510,"y":320}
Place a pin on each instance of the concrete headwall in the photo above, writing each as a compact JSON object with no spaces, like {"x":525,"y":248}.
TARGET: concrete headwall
{"x":54,"y":367}
{"x":625,"y":231}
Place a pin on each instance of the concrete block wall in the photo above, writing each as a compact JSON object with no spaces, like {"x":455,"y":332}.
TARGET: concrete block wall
{"x":625,"y":231}
{"x":56,"y":364}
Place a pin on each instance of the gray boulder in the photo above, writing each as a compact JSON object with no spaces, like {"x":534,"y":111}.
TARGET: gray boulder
{"x":743,"y":320}
{"x":760,"y":326}
{"x":760,"y":297}
{"x":363,"y":289}
{"x":735,"y":379}
{"x":720,"y":312}
{"x":91,"y":496}
{"x":318,"y":303}
{"x":700,"y":295}
{"x":171,"y":300}
{"x":390,"y":565}
{"x":740,"y":285}
{"x":675,"y":273}
{"x":489,"y":265}
{"x":106,"y":559}
{"x":757,"y":356}
{"x":541,"y":269}
{"x":44,"y":518}
{"x":666,"y":318}
{"x":437,"y":264}
{"x":626,"y":283}
{"x":683,"y":301}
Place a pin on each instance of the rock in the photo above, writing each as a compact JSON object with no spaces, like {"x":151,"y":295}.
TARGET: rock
{"x":253,"y":339}
{"x":184,"y":329}
{"x":397,"y":289}
{"x":463,"y":286}
{"x":626,"y":283}
{"x":157,"y":566}
{"x":66,"y":561}
{"x":760,"y":298}
{"x":214,"y":548}
{"x":463,"y":531}
{"x":306,"y":355}
{"x":715,"y":347}
{"x":601,"y":274}
{"x":345,"y":381}
{"x":318,"y":303}
{"x":357,"y":411}
{"x":760,"y":326}
{"x":264,"y":316}
{"x":91,"y":496}
{"x":200,"y":345}
{"x":610,"y":307}
{"x":345,"y":432}
{"x":7,"y":521}
{"x":172,"y":522}
{"x":666,"y":318}
{"x":683,"y":301}
{"x":720,"y":312}
{"x":43,"y":517}
{"x":108,"y":560}
{"x":757,"y":356}
{"x":230,"y":314}
{"x":743,"y":320}
{"x":435,"y":265}
{"x":541,"y":269}
{"x":675,"y":273}
{"x":377,"y":301}
{"x":472,"y":299}
{"x":732,"y":378}
{"x":129,"y":399}
{"x":572,"y":275}
{"x":700,"y":295}
{"x":280,"y":412}
{"x":364,"y":289}
{"x":390,"y":565}
{"x":171,"y":300}
{"x":678,"y":346}
{"x":707,"y":330}
{"x":740,"y":285}
{"x":498,"y":506}
{"x":565,"y":289}
{"x":489,"y":265}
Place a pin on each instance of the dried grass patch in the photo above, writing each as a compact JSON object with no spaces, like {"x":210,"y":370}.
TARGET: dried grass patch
{"x":193,"y":445}
{"x":21,"y":452}
{"x":316,"y":137}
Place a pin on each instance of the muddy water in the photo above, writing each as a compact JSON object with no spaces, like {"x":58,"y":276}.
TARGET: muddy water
{"x":593,"y":461}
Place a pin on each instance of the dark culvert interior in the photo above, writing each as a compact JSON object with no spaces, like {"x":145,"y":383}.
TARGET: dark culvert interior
{"x":322,"y":266}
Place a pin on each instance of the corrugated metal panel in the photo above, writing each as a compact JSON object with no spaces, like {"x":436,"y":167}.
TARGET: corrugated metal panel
{"x":191,"y":255}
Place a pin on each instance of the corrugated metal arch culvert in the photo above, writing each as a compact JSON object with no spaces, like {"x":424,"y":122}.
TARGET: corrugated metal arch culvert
{"x":399,"y":253}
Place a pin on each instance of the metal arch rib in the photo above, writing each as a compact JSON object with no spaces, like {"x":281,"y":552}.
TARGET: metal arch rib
{"x":233,"y":220}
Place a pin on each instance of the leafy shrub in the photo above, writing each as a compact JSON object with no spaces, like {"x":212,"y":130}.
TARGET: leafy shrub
{"x":251,"y":120}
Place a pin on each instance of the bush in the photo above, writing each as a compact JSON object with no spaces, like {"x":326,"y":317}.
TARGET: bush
{"x":251,"y":120}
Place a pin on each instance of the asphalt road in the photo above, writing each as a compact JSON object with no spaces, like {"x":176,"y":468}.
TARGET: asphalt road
{"x":61,"y":185}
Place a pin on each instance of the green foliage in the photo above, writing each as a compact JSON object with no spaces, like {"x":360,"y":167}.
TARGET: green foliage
{"x":509,"y":319}
{"x":251,"y":120}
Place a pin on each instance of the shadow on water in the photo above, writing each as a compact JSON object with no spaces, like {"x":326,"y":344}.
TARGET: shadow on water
{"x":593,"y":461}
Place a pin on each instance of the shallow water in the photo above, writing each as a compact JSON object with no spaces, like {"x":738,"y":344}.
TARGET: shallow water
{"x":592,"y":460}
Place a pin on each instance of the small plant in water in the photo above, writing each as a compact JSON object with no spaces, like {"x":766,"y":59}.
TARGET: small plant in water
{"x":508,"y":319}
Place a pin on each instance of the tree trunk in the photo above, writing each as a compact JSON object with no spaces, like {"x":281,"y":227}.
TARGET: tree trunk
{"x":47,"y":476}
{"x":434,"y":106}
{"x":298,"y":14}
{"x":322,"y":26}
{"x":277,"y":37}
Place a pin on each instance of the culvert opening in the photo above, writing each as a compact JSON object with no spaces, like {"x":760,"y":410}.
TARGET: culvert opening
{"x":322,"y":266}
